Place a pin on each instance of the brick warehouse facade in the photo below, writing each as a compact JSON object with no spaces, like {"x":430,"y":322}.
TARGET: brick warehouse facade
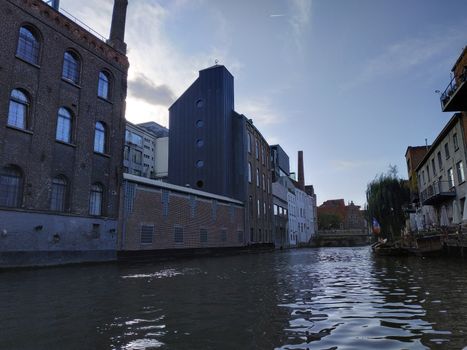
{"x":159,"y":216}
{"x":62,"y":104}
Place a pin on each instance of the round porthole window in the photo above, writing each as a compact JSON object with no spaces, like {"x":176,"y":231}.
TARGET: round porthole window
{"x":199,"y":163}
{"x":199,"y":103}
{"x":200,"y":184}
{"x":199,"y":143}
{"x":199,"y":123}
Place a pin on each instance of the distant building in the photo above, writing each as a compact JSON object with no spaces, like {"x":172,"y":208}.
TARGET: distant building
{"x":350,"y":217}
{"x":310,"y":190}
{"x":214,"y":149}
{"x":62,"y":98}
{"x":146,"y":150}
{"x":413,"y":156}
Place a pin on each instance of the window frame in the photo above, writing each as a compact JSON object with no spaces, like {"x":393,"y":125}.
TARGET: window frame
{"x":69,"y":118}
{"x":26,"y":104}
{"x":33,"y":58}
{"x":103,"y":139}
{"x":96,"y":191}
{"x":76,"y":64}
{"x":108,"y":76}
{"x":63,"y":186}
{"x":17,"y":193}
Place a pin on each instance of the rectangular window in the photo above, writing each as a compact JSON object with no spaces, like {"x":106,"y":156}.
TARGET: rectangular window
{"x":276,"y":211}
{"x":454,"y":140}
{"x":224,"y":235}
{"x":257,"y":178}
{"x":203,"y":235}
{"x":428,"y":172}
{"x":259,"y":208}
{"x":178,"y":234}
{"x":126,"y":153}
{"x":264,"y":183}
{"x":240,"y":236}
{"x":249,"y":143}
{"x":440,"y":161}
{"x":446,"y":150}
{"x":257,"y":150}
{"x":423,"y":177}
{"x":147,"y":233}
{"x":137,"y":157}
{"x":249,"y":172}
{"x":433,"y":168}
{"x":451,"y":177}
{"x":460,"y":172}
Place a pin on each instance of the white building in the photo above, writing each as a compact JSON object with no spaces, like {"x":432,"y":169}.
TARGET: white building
{"x":441,"y":178}
{"x":146,"y":150}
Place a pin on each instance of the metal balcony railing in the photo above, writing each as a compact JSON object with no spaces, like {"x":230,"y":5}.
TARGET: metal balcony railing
{"x":438,"y":190}
{"x":452,"y":88}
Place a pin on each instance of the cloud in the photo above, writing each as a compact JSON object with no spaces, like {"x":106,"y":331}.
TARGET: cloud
{"x":300,"y":19}
{"x":404,"y":56}
{"x":261,"y":111}
{"x":276,"y":15}
{"x":158,"y":95}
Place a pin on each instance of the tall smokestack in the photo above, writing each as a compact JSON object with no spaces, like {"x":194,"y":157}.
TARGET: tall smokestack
{"x":301,"y":171}
{"x":117,"y":29}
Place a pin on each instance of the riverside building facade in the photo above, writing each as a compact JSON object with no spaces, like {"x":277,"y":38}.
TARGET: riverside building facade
{"x":215,"y":149}
{"x":62,"y":104}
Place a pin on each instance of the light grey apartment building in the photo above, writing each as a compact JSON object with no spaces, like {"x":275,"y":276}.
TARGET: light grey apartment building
{"x":146,"y":150}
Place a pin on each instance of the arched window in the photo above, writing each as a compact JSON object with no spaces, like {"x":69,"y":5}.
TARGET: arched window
{"x":64,"y":122}
{"x":249,"y":172}
{"x":71,"y":67}
{"x":96,"y":199}
{"x":18,"y":110}
{"x":99,"y":138}
{"x":11,"y":185}
{"x":58,"y":195}
{"x":103,"y":87}
{"x":28,"y":46}
{"x":257,"y":178}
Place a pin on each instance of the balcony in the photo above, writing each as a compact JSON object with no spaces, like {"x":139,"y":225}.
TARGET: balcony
{"x":437,"y":193}
{"x":454,"y":98}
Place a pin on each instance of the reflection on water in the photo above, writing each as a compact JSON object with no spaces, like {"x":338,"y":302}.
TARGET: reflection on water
{"x":334,"y":298}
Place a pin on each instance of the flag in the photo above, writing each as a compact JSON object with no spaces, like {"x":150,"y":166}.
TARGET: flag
{"x":376,"y":227}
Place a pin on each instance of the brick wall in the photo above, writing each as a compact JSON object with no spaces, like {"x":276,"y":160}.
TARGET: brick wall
{"x":156,"y":217}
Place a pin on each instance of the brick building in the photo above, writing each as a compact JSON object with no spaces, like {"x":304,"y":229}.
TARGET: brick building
{"x":413,"y":156}
{"x":160,"y":216}
{"x":217,"y":150}
{"x":62,"y":104}
{"x":350,"y":216}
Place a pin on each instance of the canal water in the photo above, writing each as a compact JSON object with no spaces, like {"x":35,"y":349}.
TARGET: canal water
{"x":331,"y":298}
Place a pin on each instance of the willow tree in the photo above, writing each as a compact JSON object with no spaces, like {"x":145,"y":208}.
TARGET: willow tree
{"x":387,"y":196}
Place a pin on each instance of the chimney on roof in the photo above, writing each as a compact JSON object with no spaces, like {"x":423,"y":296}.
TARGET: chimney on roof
{"x":301,"y":171}
{"x":117,"y":29}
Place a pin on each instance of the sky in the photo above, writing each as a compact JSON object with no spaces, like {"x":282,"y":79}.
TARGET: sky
{"x":350,"y":82}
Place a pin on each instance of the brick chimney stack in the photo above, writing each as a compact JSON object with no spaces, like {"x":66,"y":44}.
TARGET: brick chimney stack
{"x":301,"y":171}
{"x":117,"y":29}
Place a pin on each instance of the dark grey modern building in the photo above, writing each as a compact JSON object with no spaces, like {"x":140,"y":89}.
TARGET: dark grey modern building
{"x":280,"y":163}
{"x":215,"y":149}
